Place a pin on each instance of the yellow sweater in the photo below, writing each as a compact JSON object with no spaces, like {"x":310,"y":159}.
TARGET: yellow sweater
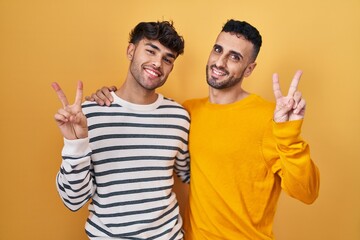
{"x":240,"y":161}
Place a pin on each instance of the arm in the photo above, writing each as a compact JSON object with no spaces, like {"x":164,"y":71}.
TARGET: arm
{"x":182,"y":166}
{"x":182,"y":158}
{"x":300,"y":176}
{"x":74,"y":180}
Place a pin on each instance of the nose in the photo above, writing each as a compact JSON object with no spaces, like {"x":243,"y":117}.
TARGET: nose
{"x":156,"y":61}
{"x":221,"y":61}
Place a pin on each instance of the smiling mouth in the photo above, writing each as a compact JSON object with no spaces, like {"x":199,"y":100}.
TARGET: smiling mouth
{"x":152,"y":72}
{"x":216,"y":72}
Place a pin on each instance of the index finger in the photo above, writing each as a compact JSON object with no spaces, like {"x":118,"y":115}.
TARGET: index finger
{"x":294,"y":83}
{"x":276,"y":86}
{"x":60,"y":94}
{"x":79,"y":93}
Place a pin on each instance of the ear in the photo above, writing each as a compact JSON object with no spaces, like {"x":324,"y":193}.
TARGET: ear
{"x":130,"y":51}
{"x":249,"y":69}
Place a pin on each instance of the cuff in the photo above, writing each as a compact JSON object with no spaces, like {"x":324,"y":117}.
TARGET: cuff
{"x":288,"y":132}
{"x":76,"y":148}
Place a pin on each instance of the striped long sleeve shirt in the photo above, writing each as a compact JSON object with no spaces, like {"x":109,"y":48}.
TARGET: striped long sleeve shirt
{"x":126,"y":167}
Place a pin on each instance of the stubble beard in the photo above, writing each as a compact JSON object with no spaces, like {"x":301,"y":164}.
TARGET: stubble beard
{"x":229,"y":82}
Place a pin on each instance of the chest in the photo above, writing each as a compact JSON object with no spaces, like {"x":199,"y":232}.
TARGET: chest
{"x":230,"y":132}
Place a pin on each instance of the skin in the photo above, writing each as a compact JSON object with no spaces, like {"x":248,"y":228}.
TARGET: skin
{"x":150,"y":65}
{"x":230,"y":61}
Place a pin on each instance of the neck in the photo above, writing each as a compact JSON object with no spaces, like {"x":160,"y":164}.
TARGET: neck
{"x":136,"y":94}
{"x":226,"y":96}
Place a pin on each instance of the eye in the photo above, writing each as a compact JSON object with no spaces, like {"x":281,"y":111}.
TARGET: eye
{"x":217,"y":49}
{"x":168,"y":60}
{"x":150,"y":51}
{"x":235,"y":57}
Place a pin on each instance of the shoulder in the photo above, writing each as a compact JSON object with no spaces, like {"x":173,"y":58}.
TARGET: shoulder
{"x":171,"y":105}
{"x":92,"y":108}
{"x":88,"y":106}
{"x":193,"y":103}
{"x":171,"y":102}
{"x":262,"y":104}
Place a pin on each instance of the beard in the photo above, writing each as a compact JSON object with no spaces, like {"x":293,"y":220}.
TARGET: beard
{"x":223,"y":84}
{"x":136,"y":72}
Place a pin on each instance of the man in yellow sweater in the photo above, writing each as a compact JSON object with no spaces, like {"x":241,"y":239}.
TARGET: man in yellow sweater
{"x":242,"y":152}
{"x":243,"y":149}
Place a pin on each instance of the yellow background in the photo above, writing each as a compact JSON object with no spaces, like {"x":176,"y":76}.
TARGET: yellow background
{"x":42,"y":41}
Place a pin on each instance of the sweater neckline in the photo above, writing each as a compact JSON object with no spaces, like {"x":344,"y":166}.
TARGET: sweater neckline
{"x":138,"y":107}
{"x":239,"y":103}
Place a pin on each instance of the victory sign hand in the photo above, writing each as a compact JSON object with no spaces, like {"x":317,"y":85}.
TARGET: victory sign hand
{"x":70,"y":119}
{"x":292,"y":106}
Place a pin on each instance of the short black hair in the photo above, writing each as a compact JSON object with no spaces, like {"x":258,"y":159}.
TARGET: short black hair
{"x":163,"y":31}
{"x":246,"y":30}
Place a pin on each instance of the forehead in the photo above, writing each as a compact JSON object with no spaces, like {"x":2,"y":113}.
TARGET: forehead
{"x":233,"y":42}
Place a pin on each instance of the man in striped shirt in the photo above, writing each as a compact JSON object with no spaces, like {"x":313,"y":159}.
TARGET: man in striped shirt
{"x":122,"y":157}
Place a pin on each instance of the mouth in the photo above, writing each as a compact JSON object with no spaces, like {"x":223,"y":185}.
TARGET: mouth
{"x":153,"y":73}
{"x":217,"y":73}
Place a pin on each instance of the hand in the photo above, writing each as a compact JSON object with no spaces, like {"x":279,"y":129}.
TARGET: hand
{"x":70,"y":119}
{"x":102,"y":96}
{"x":292,"y":106}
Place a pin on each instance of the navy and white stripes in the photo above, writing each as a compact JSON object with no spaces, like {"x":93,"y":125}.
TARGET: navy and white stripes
{"x":126,"y":166}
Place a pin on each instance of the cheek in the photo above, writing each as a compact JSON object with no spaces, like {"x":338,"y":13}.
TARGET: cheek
{"x":234,"y":71}
{"x":211,"y":60}
{"x":167,"y":69}
{"x":140,"y":58}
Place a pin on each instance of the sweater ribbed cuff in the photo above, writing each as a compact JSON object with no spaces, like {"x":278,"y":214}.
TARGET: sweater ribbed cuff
{"x":76,"y":148}
{"x":288,"y":132}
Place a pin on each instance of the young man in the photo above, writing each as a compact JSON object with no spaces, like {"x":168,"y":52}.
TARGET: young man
{"x":122,"y":157}
{"x":243,"y":152}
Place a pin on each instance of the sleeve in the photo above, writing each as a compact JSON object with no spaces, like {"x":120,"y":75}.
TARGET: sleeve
{"x":291,"y":160}
{"x":182,"y":166}
{"x":182,"y":159}
{"x":75,"y":180}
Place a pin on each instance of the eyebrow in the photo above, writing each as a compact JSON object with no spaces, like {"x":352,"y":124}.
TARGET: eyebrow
{"x":231,"y":51}
{"x":158,"y":49}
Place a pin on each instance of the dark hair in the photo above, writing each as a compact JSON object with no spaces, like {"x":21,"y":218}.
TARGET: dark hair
{"x":163,"y":31}
{"x":246,"y":30}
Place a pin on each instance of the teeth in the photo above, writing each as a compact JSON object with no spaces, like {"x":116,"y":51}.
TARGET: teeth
{"x":152,"y":73}
{"x":219,"y":73}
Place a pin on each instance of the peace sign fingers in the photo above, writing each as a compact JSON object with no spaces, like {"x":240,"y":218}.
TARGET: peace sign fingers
{"x":62,"y":97}
{"x":292,"y":106}
{"x":70,"y":118}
